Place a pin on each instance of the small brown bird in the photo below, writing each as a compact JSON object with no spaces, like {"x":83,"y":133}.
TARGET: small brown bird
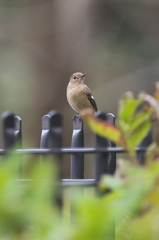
{"x":79,"y":95}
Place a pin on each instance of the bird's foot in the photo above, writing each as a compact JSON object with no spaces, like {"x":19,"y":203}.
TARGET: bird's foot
{"x":77,"y":117}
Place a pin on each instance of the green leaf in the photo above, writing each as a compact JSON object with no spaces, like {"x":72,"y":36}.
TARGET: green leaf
{"x":139,"y":119}
{"x":150,"y":222}
{"x":127,"y":109}
{"x":93,"y":220}
{"x":138,"y":135}
{"x":110,"y":182}
{"x":152,"y":153}
{"x":21,"y":204}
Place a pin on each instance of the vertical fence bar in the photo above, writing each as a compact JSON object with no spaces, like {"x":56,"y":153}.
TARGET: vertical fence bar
{"x":18,"y":141}
{"x":51,"y":137}
{"x":12,"y":135}
{"x":8,"y":121}
{"x":77,"y":159}
{"x":110,"y":118}
{"x":18,"y":131}
{"x":101,"y":159}
{"x":104,"y":162}
{"x":145,"y":143}
{"x":11,"y":130}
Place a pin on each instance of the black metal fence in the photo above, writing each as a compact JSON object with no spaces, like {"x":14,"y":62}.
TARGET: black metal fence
{"x":51,"y":143}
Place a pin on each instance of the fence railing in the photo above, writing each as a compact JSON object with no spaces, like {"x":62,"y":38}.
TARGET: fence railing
{"x":51,"y":143}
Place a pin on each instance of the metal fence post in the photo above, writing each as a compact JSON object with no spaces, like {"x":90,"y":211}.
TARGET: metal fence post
{"x":104,"y":162}
{"x":18,"y":131}
{"x":12,"y":135}
{"x":11,"y":130}
{"x":51,"y":137}
{"x":8,"y":122}
{"x":18,"y":140}
{"x":77,"y":159}
{"x":145,"y":143}
{"x":110,"y":118}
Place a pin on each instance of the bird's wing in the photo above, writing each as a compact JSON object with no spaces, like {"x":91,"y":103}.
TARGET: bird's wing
{"x":90,"y":97}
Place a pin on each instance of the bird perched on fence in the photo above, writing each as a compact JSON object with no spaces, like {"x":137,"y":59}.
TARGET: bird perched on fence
{"x":79,"y":95}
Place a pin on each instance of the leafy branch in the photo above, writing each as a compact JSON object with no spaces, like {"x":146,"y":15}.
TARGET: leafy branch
{"x":135,"y":119}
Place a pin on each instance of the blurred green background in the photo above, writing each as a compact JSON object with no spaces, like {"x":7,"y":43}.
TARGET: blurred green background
{"x":42,"y":42}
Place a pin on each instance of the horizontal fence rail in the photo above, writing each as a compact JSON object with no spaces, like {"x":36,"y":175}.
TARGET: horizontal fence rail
{"x":67,"y":182}
{"x":70,"y":150}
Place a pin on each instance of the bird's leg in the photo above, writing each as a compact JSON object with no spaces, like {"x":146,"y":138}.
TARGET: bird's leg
{"x":77,"y":117}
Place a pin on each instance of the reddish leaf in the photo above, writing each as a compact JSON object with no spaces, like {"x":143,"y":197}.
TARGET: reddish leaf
{"x":101,"y":128}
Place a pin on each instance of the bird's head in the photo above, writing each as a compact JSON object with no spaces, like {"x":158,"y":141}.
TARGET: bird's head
{"x":77,"y":77}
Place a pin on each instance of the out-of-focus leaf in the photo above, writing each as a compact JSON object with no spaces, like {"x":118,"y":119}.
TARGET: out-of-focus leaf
{"x":139,"y":119}
{"x":132,"y":199}
{"x":156,"y":93}
{"x":127,"y":96}
{"x":157,"y":134}
{"x":93,"y":220}
{"x":26,"y":212}
{"x":151,"y":100}
{"x":150,"y":223}
{"x":102,"y":128}
{"x":138,"y":135}
{"x":152,"y":153}
{"x":153,"y":196}
{"x":110,"y":182}
{"x":127,"y":109}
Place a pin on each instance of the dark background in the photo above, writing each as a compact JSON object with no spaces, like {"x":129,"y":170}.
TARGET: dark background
{"x":42,"y":42}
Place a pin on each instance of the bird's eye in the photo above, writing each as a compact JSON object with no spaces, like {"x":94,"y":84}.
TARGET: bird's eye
{"x":74,"y":77}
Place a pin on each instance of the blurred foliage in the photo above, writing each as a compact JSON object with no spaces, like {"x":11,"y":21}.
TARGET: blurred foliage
{"x":129,"y":210}
{"x":25,"y":210}
{"x":135,"y":118}
{"x":28,"y":209}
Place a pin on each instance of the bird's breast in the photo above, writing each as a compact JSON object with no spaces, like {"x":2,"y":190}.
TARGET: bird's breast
{"x":75,"y":94}
{"x":77,"y":98}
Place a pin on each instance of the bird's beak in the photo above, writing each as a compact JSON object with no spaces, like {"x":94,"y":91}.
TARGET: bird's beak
{"x":83,"y":75}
